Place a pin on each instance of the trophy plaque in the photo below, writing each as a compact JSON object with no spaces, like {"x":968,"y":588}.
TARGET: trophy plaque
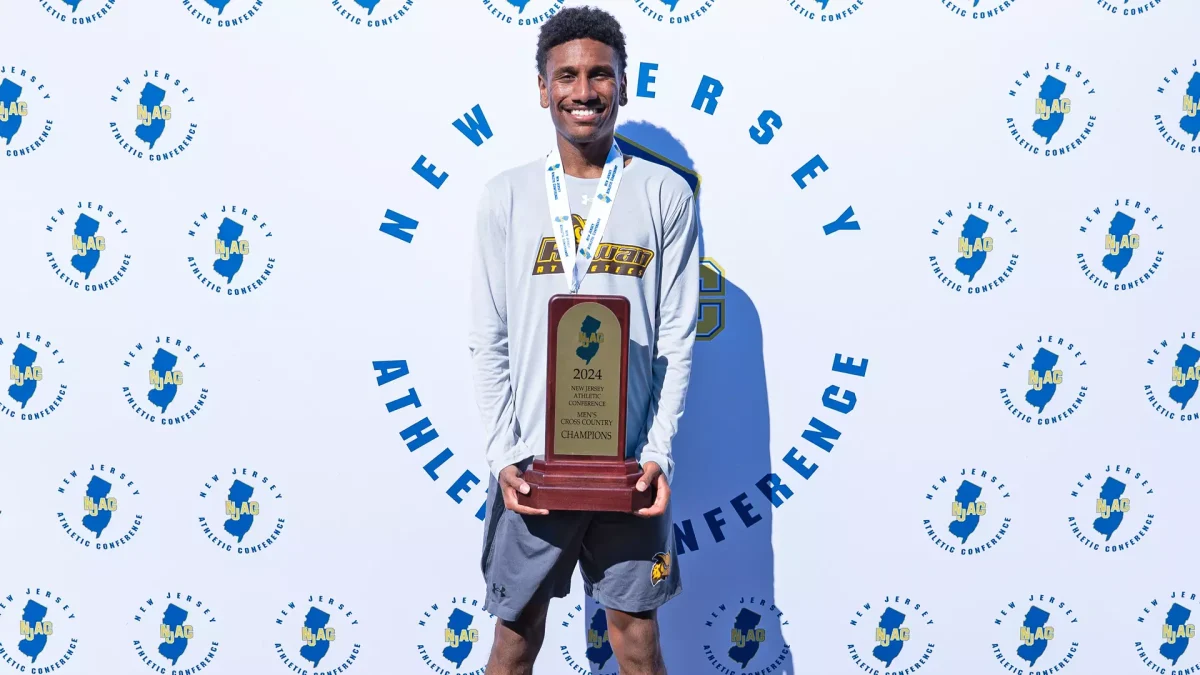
{"x":587,"y":375}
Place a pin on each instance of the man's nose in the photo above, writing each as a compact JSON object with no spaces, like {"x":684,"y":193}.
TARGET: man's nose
{"x":583,"y":91}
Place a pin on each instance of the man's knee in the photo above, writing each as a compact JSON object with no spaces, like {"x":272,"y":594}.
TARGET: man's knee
{"x":634,"y":637}
{"x":517,"y":643}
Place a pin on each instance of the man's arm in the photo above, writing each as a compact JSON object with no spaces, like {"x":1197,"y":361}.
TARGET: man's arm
{"x":678,"y":303}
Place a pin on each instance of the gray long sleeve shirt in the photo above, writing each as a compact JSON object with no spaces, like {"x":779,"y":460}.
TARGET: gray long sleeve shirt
{"x":649,"y":254}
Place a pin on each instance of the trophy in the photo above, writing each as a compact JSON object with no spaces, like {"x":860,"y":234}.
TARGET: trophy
{"x":587,"y":373}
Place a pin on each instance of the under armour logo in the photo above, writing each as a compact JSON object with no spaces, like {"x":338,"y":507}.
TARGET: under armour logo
{"x":498,"y":590}
{"x":586,"y":199}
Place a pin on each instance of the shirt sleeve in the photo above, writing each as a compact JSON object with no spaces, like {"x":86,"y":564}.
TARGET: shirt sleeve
{"x":678,"y":304}
{"x":487,"y":338}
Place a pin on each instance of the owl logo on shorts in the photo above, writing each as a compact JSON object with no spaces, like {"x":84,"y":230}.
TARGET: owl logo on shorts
{"x":661,"y":569}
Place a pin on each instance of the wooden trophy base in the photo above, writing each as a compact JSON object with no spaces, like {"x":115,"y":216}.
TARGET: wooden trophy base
{"x":585,"y":486}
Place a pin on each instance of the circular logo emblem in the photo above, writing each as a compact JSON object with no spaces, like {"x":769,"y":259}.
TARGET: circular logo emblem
{"x":223,"y":13}
{"x":968,"y":512}
{"x":1111,"y":510}
{"x":39,"y":634}
{"x":317,"y":635}
{"x":78,"y":12}
{"x":37,"y":375}
{"x":1051,"y":112}
{"x":582,"y":633}
{"x":87,"y":247}
{"x":1179,"y":125}
{"x":746,"y":636}
{"x":373,"y":13}
{"x":1035,"y":634}
{"x":232,"y":251}
{"x":152,"y":116}
{"x":1046,"y":382}
{"x":242,"y":511}
{"x":894,"y":636}
{"x":26,"y":113}
{"x":1127,"y":7}
{"x":978,"y":9}
{"x":452,"y":632}
{"x":676,"y":12}
{"x":974,"y":249}
{"x":98,"y":507}
{"x":825,"y":11}
{"x":525,"y":12}
{"x":1122,"y":245}
{"x":176,"y":389}
{"x":175,"y":633}
{"x":1173,"y":375}
{"x":1165,"y":630}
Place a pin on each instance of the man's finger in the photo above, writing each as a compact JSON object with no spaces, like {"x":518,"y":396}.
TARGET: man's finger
{"x":650,"y":475}
{"x":659,"y":506}
{"x":512,"y":504}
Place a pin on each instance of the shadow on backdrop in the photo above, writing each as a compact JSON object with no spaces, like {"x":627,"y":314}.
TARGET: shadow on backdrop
{"x":721,"y":504}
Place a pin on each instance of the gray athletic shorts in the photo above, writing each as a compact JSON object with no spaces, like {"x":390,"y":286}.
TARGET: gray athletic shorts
{"x":628,"y":563}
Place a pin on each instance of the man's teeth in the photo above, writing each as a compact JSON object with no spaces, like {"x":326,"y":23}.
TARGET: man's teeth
{"x":584,"y":113}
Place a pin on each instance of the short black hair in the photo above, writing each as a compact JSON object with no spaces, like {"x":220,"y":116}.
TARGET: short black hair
{"x":578,"y":23}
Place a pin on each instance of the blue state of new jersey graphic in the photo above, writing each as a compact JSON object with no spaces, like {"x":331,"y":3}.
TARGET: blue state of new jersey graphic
{"x":223,"y":13}
{"x":1037,"y":633}
{"x":1112,"y":508}
{"x":372,"y":13}
{"x":977,"y":10}
{"x":78,"y":12}
{"x":1044,"y":381}
{"x":825,"y":11}
{"x":165,"y":381}
{"x":87,"y":246}
{"x":318,"y":634}
{"x":680,"y":12}
{"x":26,"y":111}
{"x":176,"y":633}
{"x":1120,"y":246}
{"x":242,"y":511}
{"x":1165,"y":634}
{"x":153,"y":115}
{"x":99,"y":507}
{"x":1177,"y":107}
{"x":456,"y":636}
{"x":974,"y":249}
{"x":40,"y":634}
{"x":580,"y":634}
{"x":968,"y":512}
{"x":897,"y":635}
{"x":1051,"y":111}
{"x":1126,"y":8}
{"x":1171,"y":377}
{"x":743,"y":636}
{"x":231,"y":251}
{"x":37,"y":370}
{"x":523,"y":12}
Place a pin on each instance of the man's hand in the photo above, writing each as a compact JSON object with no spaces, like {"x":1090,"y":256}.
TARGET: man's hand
{"x":510,"y":484}
{"x":652,"y":474}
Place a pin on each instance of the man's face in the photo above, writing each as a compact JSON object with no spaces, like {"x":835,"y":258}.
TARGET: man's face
{"x":582,"y":89}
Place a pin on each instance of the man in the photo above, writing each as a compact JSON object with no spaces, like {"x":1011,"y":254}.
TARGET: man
{"x":627,"y":560}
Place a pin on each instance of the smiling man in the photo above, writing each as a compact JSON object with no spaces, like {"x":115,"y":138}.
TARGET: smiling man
{"x":634,"y":233}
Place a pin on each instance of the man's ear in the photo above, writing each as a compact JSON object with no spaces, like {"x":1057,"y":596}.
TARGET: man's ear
{"x":624,"y":91}
{"x":542,"y":93}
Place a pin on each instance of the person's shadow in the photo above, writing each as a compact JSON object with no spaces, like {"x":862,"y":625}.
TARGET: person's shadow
{"x":723,"y":520}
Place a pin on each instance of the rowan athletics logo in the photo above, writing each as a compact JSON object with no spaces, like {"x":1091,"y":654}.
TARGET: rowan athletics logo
{"x":984,"y":254}
{"x":825,"y":11}
{"x":616,"y":259}
{"x":894,"y":636}
{"x":175,"y":633}
{"x":372,"y":13}
{"x":223,"y":13}
{"x":242,"y":511}
{"x":1038,"y":634}
{"x":231,"y":251}
{"x":99,"y":507}
{"x":523,"y":12}
{"x":594,"y":656}
{"x":38,"y":634}
{"x":87,"y":247}
{"x":452,"y":634}
{"x":1051,"y":111}
{"x":1165,"y":630}
{"x":166,"y":381}
{"x":675,"y":12}
{"x":1176,"y":108}
{"x":1122,"y":245}
{"x":1046,"y":382}
{"x":26,"y":116}
{"x":1112,"y":510}
{"x":742,"y":637}
{"x":36,"y":376}
{"x":1173,"y":377}
{"x":152,"y":116}
{"x":317,"y":635}
{"x":661,"y":569}
{"x":967,"y":512}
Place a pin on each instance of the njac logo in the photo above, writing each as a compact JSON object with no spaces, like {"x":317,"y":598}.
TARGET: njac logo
{"x":457,"y":637}
{"x":1176,"y":108}
{"x":175,"y":371}
{"x":1047,"y":382}
{"x":1051,"y":112}
{"x":99,"y":507}
{"x":1111,"y":510}
{"x":38,"y":634}
{"x":894,"y":636}
{"x":243,"y":511}
{"x":372,"y":13}
{"x":1035,"y":635}
{"x":1127,"y":7}
{"x":744,"y":637}
{"x":674,"y":12}
{"x":523,"y":12}
{"x":37,"y":374}
{"x":978,"y":9}
{"x":825,"y":11}
{"x":984,"y":254}
{"x":1165,"y":630}
{"x":232,"y":251}
{"x":967,"y":512}
{"x":318,"y":635}
{"x":23,"y":127}
{"x":175,"y":633}
{"x":87,"y":247}
{"x":1124,"y":246}
{"x":78,"y":12}
{"x":152,"y":118}
{"x":223,"y":13}
{"x":593,"y":655}
{"x":1175,"y":375}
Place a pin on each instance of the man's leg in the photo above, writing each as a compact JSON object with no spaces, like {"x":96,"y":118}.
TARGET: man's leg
{"x":517,"y":642}
{"x":634,"y":639}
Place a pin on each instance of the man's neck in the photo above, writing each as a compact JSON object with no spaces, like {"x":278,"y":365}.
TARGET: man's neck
{"x":584,"y":160}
